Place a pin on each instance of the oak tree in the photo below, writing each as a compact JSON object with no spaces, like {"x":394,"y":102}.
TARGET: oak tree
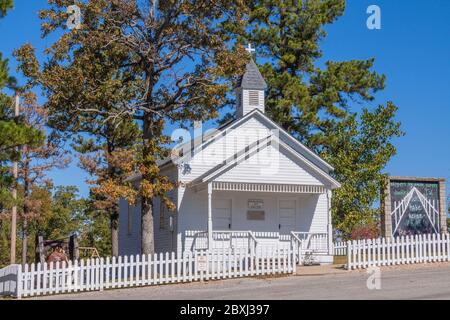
{"x":174,"y":64}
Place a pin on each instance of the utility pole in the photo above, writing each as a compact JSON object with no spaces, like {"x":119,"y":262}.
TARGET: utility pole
{"x":14,"y":195}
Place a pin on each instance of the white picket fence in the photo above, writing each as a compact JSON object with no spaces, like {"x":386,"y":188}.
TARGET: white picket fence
{"x":400,"y":250}
{"x":146,"y":270}
{"x":340,"y":248}
{"x":8,"y":280}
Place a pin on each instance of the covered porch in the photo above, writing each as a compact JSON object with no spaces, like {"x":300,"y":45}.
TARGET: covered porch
{"x":255,"y":217}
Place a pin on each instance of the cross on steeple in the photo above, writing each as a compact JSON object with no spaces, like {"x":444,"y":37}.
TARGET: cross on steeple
{"x":250,"y":49}
{"x":250,"y":90}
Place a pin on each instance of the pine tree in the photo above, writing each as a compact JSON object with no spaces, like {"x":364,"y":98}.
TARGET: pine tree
{"x":316,"y":104}
{"x":5,"y":5}
{"x":13,"y":132}
{"x":35,"y":163}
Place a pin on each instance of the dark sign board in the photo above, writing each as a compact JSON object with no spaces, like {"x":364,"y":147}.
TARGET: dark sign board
{"x":418,"y":215}
{"x":413,"y":206}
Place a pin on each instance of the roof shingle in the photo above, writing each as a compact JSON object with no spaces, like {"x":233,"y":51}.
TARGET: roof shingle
{"x":252,"y":78}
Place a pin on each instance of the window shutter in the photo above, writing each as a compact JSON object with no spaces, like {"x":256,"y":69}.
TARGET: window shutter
{"x":253,"y":98}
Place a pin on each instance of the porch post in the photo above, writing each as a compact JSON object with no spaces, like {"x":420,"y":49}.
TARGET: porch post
{"x":210,"y":236}
{"x":330,"y":226}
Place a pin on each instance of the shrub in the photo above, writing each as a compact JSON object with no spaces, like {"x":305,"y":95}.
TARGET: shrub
{"x":364,"y":232}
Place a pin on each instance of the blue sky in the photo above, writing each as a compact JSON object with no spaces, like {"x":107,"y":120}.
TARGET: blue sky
{"x":412,"y":49}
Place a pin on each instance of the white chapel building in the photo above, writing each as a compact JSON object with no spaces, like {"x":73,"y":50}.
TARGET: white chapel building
{"x":247,"y":185}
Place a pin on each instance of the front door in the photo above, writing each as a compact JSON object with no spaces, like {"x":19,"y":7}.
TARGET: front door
{"x":221,"y":214}
{"x":286,"y":213}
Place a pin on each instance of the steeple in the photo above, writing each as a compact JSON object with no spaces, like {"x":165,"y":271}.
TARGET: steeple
{"x":251,"y":89}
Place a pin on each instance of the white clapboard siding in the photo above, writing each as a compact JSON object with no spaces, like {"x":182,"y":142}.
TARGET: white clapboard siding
{"x":142,"y":270}
{"x":423,"y":248}
{"x":223,"y":147}
{"x":271,"y":165}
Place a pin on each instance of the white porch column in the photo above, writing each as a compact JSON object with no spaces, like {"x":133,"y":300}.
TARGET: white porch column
{"x":330,"y":226}
{"x":210,"y":236}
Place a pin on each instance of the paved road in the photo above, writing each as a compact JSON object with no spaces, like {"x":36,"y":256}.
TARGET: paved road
{"x":406,"y":282}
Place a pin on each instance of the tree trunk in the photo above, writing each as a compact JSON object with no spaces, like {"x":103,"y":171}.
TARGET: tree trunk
{"x":147,"y":236}
{"x":115,"y":233}
{"x":26,"y":209}
{"x":24,"y":240}
{"x":147,"y":241}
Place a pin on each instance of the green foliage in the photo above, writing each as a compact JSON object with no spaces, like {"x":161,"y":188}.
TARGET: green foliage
{"x":61,"y":213}
{"x":96,"y":231}
{"x":5,"y":236}
{"x":90,"y":79}
{"x":5,"y":5}
{"x":315,"y":104}
{"x":13,"y":132}
{"x":106,"y":74}
{"x":66,"y":215}
{"x":359,"y":150}
{"x":71,"y":214}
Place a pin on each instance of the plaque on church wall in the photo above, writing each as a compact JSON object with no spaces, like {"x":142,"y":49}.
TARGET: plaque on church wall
{"x":413,"y":206}
{"x":256,"y":204}
{"x":255,"y":215}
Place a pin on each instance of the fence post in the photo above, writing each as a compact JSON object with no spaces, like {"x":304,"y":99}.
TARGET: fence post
{"x":433,"y":246}
{"x":447,"y":236}
{"x":439,"y":243}
{"x":102,"y":284}
{"x":149,"y":269}
{"x":19,"y":282}
{"x":349,"y":266}
{"x":379,"y":256}
{"x":161,"y":267}
{"x":364,"y":252}
{"x":415,"y":248}
{"x":402,"y":250}
{"x":131,"y":275}
{"x":137,"y":270}
{"x":107,"y":274}
{"x":407,"y":249}
{"x":429,"y":248}
{"x":291,"y":261}
{"x":396,"y":250}
{"x":172,"y":268}
{"x":375,"y":252}
{"x":358,"y":252}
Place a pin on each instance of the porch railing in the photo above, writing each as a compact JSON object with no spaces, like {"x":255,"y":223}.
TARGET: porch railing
{"x":224,"y":240}
{"x":302,"y":242}
{"x":296,"y":244}
{"x":315,"y":243}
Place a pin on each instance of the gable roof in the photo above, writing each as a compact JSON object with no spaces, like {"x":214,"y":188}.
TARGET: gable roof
{"x":314,"y":159}
{"x":254,"y":148}
{"x":252,"y":78}
{"x":318,"y":161}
